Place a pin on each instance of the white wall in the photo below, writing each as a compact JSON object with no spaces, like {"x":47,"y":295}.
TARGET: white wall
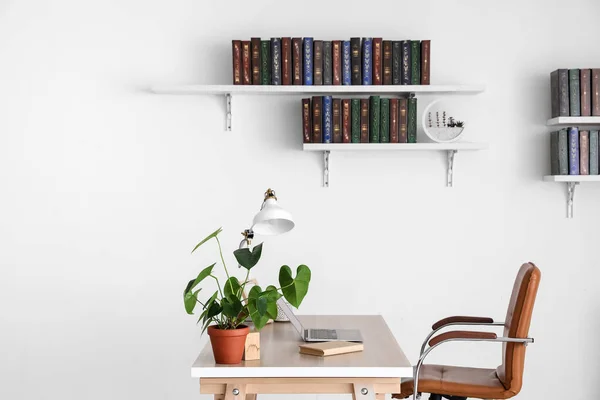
{"x":105,"y":189}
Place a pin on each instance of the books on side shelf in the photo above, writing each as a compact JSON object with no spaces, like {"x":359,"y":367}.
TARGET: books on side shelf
{"x":575,"y":92}
{"x":574,"y":152}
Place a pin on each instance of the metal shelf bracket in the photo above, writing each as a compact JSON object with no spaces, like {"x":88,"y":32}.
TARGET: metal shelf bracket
{"x":228,"y":109}
{"x":450,"y":168}
{"x":326,"y":155}
{"x":570,"y":195}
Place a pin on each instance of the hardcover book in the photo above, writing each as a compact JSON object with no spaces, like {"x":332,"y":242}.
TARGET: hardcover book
{"x":415,"y":55}
{"x":246,"y":67}
{"x":256,"y":61}
{"x":585,"y":87}
{"x":308,"y":61}
{"x":318,"y":62}
{"x":394,"y":120}
{"x":406,"y":63}
{"x":412,"y":120}
{"x":387,"y":62}
{"x":377,"y":61}
{"x":356,"y":61}
{"x":236,"y":50}
{"x":396,"y":62}
{"x":573,"y":151}
{"x":559,"y":87}
{"x":337,"y":121}
{"x":317,"y":119}
{"x":265,"y":56}
{"x":325,"y":349}
{"x":593,"y":153}
{"x":346,"y":128}
{"x":559,"y":156}
{"x":286,"y":61}
{"x":336,"y":61}
{"x":402,"y":121}
{"x":596,"y":92}
{"x":364,"y":120}
{"x":425,"y":62}
{"x":384,"y":121}
{"x":346,"y":63}
{"x":306,"y":121}
{"x":327,"y":119}
{"x":574,"y":95}
{"x":275,"y":61}
{"x":327,"y":64}
{"x":584,"y":153}
{"x":367,"y":58}
{"x":297,"y":61}
{"x":374,"y":119}
{"x":355,"y":114}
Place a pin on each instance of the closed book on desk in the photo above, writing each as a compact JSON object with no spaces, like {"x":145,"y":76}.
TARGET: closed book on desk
{"x":330,"y":348}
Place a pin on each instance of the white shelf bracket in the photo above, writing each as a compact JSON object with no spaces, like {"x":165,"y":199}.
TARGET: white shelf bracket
{"x":326,"y":155}
{"x":570,"y":196}
{"x":228,"y":109}
{"x":450,"y":168}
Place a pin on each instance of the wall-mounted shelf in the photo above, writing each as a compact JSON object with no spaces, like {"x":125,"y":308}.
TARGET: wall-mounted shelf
{"x":258,"y":90}
{"x":450,"y":148}
{"x":573,"y":121}
{"x":571,"y":181}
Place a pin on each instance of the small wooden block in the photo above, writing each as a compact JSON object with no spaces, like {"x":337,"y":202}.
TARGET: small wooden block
{"x":252,"y":346}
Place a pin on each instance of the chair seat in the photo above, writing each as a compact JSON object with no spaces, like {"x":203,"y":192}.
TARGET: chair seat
{"x":457,"y":381}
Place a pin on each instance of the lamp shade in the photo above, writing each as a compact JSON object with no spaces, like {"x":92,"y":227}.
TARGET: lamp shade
{"x":272,"y":219}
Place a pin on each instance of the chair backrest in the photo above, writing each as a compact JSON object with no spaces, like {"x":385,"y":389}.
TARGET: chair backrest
{"x":518,"y":319}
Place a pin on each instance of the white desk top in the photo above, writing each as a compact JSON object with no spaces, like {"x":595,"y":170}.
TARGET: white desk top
{"x":280,"y":358}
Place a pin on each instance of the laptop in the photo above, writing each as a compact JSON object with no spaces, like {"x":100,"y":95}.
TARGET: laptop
{"x":319,"y":335}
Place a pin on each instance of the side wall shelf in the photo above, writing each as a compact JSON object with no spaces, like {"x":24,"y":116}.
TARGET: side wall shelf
{"x":572,"y":181}
{"x":574,"y":121}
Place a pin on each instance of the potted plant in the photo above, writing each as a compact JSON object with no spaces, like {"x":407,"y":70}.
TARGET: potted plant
{"x":225,"y":311}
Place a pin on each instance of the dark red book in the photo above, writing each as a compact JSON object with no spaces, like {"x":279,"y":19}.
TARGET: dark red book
{"x":377,"y":61}
{"x":425,"y":62}
{"x":336,"y":48}
{"x":364,"y":120}
{"x":297,"y":61}
{"x":256,"y":66}
{"x":596,"y":92}
{"x":246,"y":69}
{"x":387,"y":62}
{"x":236,"y":49}
{"x":585,"y":87}
{"x":306,"y":121}
{"x":337,"y":121}
{"x":317,"y":119}
{"x":346,"y":122}
{"x":318,"y":62}
{"x":394,"y":120}
{"x":402,"y":121}
{"x":286,"y":61}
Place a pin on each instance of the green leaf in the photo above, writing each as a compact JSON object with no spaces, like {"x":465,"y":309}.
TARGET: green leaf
{"x":206,"y":239}
{"x":214,"y":309}
{"x":232,"y":287}
{"x":259,"y":320}
{"x":248,"y":258}
{"x":232,"y":307}
{"x":272,"y":292}
{"x":201,"y":317}
{"x":294,"y":289}
{"x":189,"y":300}
{"x":203,"y":274}
{"x":261,"y":305}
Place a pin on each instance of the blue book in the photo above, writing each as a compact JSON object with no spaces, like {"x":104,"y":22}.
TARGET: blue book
{"x":308,"y":61}
{"x":346,"y":64}
{"x":573,"y":151}
{"x":327,"y":119}
{"x":367,"y":61}
{"x":276,"y":61}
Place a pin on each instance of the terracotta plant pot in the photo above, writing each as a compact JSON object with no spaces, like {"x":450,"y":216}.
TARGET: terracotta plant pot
{"x":228,"y":344}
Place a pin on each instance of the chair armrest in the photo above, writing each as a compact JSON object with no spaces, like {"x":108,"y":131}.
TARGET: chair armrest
{"x":461,"y":319}
{"x":462,"y":335}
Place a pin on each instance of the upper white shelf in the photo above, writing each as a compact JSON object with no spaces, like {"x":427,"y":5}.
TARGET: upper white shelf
{"x":572,"y":178}
{"x":573,"y":121}
{"x":393,"y":146}
{"x":307,"y":90}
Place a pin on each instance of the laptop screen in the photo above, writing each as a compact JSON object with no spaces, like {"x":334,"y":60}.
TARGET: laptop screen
{"x":290,"y":314}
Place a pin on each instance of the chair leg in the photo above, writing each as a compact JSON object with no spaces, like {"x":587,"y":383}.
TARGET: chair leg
{"x":434,"y":396}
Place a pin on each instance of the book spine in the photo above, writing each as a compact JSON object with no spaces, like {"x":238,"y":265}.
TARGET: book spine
{"x":317,"y":119}
{"x":573,"y":151}
{"x":367,"y":58}
{"x":256,"y":61}
{"x":585,"y":87}
{"x":594,"y":153}
{"x":554,"y":166}
{"x":318,"y":62}
{"x":327,"y":119}
{"x":265,"y":56}
{"x":406,"y":63}
{"x":377,"y":61}
{"x":337,"y":120}
{"x":346,"y":63}
{"x":346,"y":128}
{"x":402,"y":121}
{"x":559,"y":87}
{"x":286,"y":61}
{"x":364,"y":120}
{"x":308,"y":61}
{"x":412,"y":120}
{"x":385,"y":120}
{"x":584,"y":153}
{"x":396,"y":62}
{"x":306,"y":121}
{"x":554,"y":96}
{"x":327,"y":64}
{"x":246,"y":69}
{"x":387,"y":62}
{"x":236,"y":50}
{"x":356,"y":61}
{"x":563,"y":152}
{"x":415,"y":55}
{"x":297,"y":61}
{"x":276,"y":61}
{"x":374,"y":119}
{"x":355,"y":114}
{"x":426,"y":62}
{"x":574,"y":96}
{"x":336,"y":61}
{"x":394,"y":120}
{"x":596,"y":92}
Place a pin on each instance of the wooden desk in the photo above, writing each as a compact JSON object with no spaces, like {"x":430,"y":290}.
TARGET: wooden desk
{"x":367,"y":375}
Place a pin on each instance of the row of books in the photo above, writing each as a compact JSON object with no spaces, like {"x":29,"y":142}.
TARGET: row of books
{"x":574,"y":152}
{"x":575,"y":92}
{"x":304,"y":61}
{"x":372,"y":120}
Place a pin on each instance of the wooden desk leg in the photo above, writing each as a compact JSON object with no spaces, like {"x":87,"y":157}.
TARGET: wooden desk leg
{"x":363,"y":392}
{"x":380,"y":396}
{"x":251,"y":396}
{"x":235,"y":391}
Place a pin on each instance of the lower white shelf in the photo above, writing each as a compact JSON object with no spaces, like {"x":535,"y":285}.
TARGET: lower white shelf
{"x":450,"y":148}
{"x":571,"y":181}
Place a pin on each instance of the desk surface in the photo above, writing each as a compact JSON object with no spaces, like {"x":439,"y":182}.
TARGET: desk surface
{"x":280,"y":357}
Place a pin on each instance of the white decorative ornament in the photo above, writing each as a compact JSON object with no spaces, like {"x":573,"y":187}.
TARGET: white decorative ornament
{"x":442,"y":134}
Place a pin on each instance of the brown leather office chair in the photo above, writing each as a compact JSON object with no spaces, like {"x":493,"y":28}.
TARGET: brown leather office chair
{"x":459,"y":383}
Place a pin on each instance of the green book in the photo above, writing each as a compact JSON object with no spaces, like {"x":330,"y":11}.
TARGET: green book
{"x":415,"y":68}
{"x":265,"y":62}
{"x":559,"y":158}
{"x":412,"y":120}
{"x":355,"y":112}
{"x":385,"y":121}
{"x":374,"y":118}
{"x":593,"y":153}
{"x":574,"y":95}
